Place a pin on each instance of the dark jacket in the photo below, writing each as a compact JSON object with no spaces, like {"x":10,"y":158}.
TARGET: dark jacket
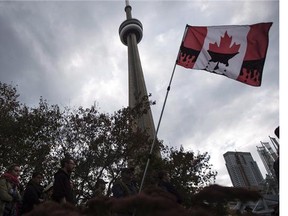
{"x":62,"y":187}
{"x":120,"y":189}
{"x":168,"y":187}
{"x":32,"y":196}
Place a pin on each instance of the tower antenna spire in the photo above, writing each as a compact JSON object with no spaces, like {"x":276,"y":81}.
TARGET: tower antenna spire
{"x":131,"y":33}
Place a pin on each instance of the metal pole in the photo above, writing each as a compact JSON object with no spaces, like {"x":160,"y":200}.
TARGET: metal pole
{"x":160,"y":118}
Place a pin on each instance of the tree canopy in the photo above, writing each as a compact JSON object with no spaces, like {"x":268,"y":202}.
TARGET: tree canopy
{"x":101,"y":144}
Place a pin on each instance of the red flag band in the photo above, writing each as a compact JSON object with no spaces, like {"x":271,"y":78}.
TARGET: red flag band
{"x":237,"y":52}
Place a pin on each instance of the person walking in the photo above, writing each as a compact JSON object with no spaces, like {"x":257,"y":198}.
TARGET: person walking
{"x":10,"y":197}
{"x":62,"y":186}
{"x":33,"y":194}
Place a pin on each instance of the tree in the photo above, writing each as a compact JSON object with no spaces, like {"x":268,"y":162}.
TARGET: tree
{"x":189,"y":172}
{"x":101,"y":144}
{"x":26,"y":134}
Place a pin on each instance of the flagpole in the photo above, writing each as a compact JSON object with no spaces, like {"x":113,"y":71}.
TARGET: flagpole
{"x":160,"y":118}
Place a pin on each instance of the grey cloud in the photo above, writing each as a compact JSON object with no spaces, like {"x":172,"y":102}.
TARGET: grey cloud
{"x":70,"y":53}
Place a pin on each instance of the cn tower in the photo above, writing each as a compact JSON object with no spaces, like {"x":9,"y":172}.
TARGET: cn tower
{"x":131,"y":33}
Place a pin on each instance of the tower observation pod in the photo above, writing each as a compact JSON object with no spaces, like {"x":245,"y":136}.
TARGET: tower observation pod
{"x":131,"y":33}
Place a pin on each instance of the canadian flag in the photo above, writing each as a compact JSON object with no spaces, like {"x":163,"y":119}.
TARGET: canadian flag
{"x":237,"y":52}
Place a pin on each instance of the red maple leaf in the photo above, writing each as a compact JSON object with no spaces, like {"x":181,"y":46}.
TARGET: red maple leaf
{"x":224,"y":46}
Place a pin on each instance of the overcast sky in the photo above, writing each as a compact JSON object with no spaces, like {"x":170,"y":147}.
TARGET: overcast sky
{"x":70,"y":53}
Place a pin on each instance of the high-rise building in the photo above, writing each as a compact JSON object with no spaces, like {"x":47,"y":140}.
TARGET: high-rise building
{"x":242,"y":169}
{"x":268,"y":157}
{"x":275,"y":143}
{"x":131,"y":33}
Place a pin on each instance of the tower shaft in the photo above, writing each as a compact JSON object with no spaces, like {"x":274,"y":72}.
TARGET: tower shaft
{"x":137,"y":87}
{"x":131,"y":32}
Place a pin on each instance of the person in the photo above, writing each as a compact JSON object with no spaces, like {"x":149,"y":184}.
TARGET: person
{"x":126,"y":185}
{"x":33,"y":193}
{"x":62,"y":186}
{"x":10,"y":197}
{"x":47,"y":192}
{"x":97,"y":204}
{"x":165,"y":184}
{"x":100,"y":187}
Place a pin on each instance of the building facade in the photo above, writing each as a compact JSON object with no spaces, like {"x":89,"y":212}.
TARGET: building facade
{"x":243,"y":170}
{"x":268,"y":157}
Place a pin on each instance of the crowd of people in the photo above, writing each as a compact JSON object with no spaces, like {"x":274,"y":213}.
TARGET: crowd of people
{"x":58,"y":198}
{"x":17,"y":201}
